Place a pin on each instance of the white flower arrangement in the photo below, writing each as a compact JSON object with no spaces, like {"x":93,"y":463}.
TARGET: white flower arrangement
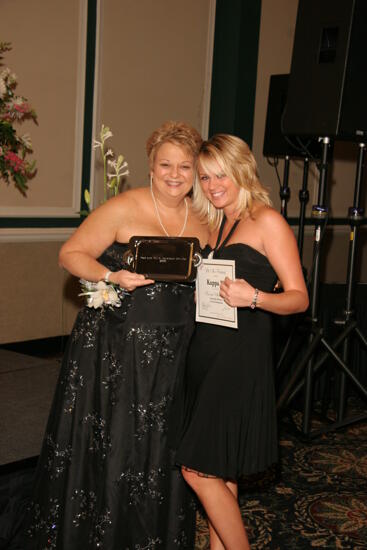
{"x":114,"y":170}
{"x":101,"y":294}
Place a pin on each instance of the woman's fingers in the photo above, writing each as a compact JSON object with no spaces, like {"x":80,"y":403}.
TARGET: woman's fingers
{"x":129,"y":281}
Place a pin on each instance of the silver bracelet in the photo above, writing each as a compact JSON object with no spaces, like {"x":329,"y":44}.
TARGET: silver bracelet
{"x":254,"y":299}
{"x":106,"y":278}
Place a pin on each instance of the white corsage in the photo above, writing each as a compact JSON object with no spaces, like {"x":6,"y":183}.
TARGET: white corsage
{"x":100,"y":294}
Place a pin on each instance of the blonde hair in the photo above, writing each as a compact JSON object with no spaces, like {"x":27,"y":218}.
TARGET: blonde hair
{"x":237,"y":162}
{"x":178,"y":133}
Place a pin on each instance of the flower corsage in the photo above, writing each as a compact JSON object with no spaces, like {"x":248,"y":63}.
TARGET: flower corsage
{"x":101,"y":294}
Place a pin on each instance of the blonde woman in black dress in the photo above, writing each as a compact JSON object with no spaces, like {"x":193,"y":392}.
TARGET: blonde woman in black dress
{"x":231,"y":419}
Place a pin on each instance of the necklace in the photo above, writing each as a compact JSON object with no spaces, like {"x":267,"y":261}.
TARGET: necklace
{"x":159,"y":218}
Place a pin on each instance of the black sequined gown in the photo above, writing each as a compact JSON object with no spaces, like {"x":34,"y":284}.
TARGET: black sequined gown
{"x":105,"y":477}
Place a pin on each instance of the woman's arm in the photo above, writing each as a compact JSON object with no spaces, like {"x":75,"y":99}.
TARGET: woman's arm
{"x":281,"y":250}
{"x":98,"y":231}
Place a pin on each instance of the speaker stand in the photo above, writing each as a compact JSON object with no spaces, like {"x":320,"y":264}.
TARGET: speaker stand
{"x":316,"y":335}
{"x":319,"y":215}
{"x":285,"y":192}
{"x":303,"y":199}
{"x":303,"y":196}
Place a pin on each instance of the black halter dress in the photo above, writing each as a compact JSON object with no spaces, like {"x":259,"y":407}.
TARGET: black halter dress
{"x":230,"y":425}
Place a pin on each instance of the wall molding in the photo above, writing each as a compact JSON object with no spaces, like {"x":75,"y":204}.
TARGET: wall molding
{"x":43,"y":212}
{"x":73,"y":209}
{"x":23,"y":218}
{"x":30,"y":234}
{"x":96,"y":97}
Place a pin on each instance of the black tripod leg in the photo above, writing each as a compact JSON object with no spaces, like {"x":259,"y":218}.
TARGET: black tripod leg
{"x":303,"y":199}
{"x":284,"y":190}
{"x":355,"y":214}
{"x":361,"y":336}
{"x":345,"y":368}
{"x":319,"y":363}
{"x":319,"y":213}
{"x":297,"y":372}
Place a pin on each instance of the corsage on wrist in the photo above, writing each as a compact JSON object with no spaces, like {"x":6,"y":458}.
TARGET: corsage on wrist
{"x":106,"y":278}
{"x":102,"y":293}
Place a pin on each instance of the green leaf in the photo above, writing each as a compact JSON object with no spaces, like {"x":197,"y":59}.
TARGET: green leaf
{"x":87,"y":197}
{"x":84,"y":212}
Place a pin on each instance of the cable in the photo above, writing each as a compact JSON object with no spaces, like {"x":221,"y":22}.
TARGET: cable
{"x":274,"y":165}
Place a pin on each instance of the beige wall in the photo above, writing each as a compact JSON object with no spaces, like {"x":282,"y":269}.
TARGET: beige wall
{"x":154,"y":60}
{"x":45,"y":57}
{"x":154,"y":71}
{"x":39,"y":300}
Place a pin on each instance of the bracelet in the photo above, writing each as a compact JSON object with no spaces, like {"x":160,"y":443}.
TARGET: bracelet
{"x":106,"y":278}
{"x":254,"y":299}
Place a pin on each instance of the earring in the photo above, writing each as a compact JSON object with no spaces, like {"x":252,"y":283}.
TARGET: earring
{"x":208,"y":209}
{"x":151,"y":180}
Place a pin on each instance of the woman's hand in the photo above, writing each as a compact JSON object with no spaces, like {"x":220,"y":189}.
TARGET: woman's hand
{"x":237,"y":293}
{"x":129,"y":280}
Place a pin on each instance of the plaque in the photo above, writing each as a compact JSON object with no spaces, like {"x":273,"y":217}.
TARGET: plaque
{"x":164,"y":258}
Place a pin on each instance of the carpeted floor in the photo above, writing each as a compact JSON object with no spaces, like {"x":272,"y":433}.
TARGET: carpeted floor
{"x":26,"y":388}
{"x":315,"y":498}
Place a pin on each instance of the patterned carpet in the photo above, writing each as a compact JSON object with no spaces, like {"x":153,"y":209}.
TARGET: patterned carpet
{"x":316,"y":498}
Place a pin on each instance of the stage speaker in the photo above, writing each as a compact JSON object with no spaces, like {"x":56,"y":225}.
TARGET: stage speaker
{"x":275,"y":143}
{"x":327,"y":89}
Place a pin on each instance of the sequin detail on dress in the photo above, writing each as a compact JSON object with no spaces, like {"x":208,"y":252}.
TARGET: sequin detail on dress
{"x":151,"y":417}
{"x":87,"y":326}
{"x":47,"y":525}
{"x":143,"y":484}
{"x":99,"y":440}
{"x":88,"y":511}
{"x":151,"y":544}
{"x":58,"y":459}
{"x":155,"y":341}
{"x":112,"y":381}
{"x":72,"y":381}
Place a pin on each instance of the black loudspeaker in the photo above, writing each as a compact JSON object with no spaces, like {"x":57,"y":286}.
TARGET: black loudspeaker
{"x":327,"y":89}
{"x":275,"y":143}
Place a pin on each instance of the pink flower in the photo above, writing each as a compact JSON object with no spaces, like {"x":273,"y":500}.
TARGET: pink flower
{"x":16,"y":163}
{"x":22,"y":108}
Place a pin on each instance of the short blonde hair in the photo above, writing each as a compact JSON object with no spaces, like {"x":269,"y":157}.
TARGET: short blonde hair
{"x":179,"y":133}
{"x":236,"y":160}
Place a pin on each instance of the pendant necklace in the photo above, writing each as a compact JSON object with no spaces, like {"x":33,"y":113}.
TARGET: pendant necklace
{"x":159,"y":218}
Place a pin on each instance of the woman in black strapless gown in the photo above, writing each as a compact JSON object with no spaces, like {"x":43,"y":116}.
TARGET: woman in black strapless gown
{"x":230,"y":425}
{"x":106,"y":477}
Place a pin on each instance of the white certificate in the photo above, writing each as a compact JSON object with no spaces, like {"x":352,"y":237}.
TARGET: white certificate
{"x":210,"y":307}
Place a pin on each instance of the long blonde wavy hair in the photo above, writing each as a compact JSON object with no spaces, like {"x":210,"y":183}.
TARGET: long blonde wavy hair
{"x":237,"y":162}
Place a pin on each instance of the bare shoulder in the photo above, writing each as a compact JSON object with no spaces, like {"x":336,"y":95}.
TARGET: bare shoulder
{"x":127,"y":201}
{"x":270,"y":219}
{"x":133,"y":197}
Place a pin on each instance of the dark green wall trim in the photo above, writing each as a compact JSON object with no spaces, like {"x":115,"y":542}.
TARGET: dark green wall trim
{"x":88,"y":98}
{"x":38,"y":222}
{"x":236,"y":41}
{"x":11,"y":222}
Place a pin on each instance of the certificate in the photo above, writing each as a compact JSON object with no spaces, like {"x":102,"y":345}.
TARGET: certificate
{"x":210,"y":307}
